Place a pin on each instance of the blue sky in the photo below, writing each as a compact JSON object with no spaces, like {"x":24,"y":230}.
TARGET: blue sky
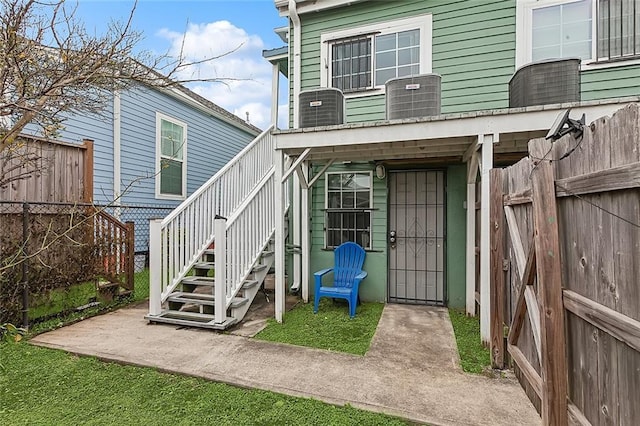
{"x":211,"y":27}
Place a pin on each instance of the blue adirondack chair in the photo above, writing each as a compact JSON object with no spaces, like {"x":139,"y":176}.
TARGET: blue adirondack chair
{"x":347,"y":275}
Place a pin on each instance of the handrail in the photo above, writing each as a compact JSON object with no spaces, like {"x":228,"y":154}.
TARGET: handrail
{"x":215,"y":177}
{"x":189,"y":230}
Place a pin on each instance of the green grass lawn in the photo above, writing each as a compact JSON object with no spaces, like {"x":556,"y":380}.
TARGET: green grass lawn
{"x":331,"y":328}
{"x":474,"y":357}
{"x":47,"y":387}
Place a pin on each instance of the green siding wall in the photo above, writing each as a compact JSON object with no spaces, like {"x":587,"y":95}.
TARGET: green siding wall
{"x":473,"y":50}
{"x":456,"y":235}
{"x":374,"y":288}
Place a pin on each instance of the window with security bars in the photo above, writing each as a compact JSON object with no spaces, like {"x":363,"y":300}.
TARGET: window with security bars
{"x":618,"y":29}
{"x":351,"y":64}
{"x":369,"y":61}
{"x":348,"y":208}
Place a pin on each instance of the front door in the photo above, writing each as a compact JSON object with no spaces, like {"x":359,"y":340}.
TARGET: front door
{"x":416,"y":237}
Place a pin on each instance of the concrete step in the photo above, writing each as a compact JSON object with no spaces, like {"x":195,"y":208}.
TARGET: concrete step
{"x":190,"y":319}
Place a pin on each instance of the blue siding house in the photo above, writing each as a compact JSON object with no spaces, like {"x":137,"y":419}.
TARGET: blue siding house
{"x":153,"y":147}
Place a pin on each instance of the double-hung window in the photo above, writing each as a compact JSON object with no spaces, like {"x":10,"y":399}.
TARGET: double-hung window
{"x":348,"y":208}
{"x":171,"y":147}
{"x":364,"y":58}
{"x":592,"y":30}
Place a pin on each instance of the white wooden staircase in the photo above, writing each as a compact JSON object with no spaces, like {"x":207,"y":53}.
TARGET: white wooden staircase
{"x":211,"y":255}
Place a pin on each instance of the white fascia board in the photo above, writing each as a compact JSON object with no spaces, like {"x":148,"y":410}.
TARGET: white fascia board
{"x":308,"y":6}
{"x":452,"y":126}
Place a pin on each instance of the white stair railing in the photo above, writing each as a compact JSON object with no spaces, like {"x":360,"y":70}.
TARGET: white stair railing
{"x":177,"y":243}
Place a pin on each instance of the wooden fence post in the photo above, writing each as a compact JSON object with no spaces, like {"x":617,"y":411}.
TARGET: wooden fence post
{"x":88,"y":171}
{"x":497,"y":273}
{"x":549,"y":273}
{"x":130,"y":255}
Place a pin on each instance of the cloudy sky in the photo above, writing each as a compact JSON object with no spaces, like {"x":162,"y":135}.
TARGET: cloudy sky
{"x":204,"y":29}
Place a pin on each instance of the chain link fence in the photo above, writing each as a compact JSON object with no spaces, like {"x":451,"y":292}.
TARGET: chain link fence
{"x":53,"y":261}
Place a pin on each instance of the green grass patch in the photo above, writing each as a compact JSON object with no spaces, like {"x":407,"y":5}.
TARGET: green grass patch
{"x":61,"y":300}
{"x":49,"y":387}
{"x":474,"y":357}
{"x":331,"y":328}
{"x":63,"y":303}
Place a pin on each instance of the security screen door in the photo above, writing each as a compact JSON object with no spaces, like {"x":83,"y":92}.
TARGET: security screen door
{"x":416,"y":237}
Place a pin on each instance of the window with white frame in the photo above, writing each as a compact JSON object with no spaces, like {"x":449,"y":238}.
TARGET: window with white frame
{"x":593,"y":30}
{"x":171,"y":147}
{"x":364,"y":58}
{"x":349,"y":200}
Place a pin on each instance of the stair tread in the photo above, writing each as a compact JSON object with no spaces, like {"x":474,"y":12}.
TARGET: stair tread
{"x":191,"y":319}
{"x":249,"y":284}
{"x":208,"y":281}
{"x":259,"y":267}
{"x":202,"y":299}
{"x":205,"y":265}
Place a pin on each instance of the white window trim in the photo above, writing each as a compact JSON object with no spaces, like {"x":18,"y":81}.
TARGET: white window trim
{"x":370,"y":208}
{"x":524,"y":14}
{"x":159,"y":117}
{"x":423,"y":22}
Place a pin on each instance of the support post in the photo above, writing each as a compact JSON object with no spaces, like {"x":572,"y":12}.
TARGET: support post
{"x":279,"y":233}
{"x":25,"y":265}
{"x":497,"y":274}
{"x":275,"y":87}
{"x":472,"y":172}
{"x":220,"y":296}
{"x":305,"y":247}
{"x":155,"y":267}
{"x":552,"y":339}
{"x":296,"y":216}
{"x":485,"y":246}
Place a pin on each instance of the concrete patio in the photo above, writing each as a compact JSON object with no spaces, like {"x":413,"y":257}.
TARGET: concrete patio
{"x":411,"y":370}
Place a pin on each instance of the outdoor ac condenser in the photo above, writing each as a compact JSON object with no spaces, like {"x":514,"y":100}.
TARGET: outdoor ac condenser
{"x":553,"y":81}
{"x":413,"y":96}
{"x":321,"y":107}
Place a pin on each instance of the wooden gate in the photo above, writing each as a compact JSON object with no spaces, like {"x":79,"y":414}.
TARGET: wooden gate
{"x":565,"y":262}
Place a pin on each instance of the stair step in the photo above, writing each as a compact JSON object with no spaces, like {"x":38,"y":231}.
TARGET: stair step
{"x":202,"y":299}
{"x":209,"y":251}
{"x":268,"y":253}
{"x":191,"y":319}
{"x":205,"y":265}
{"x":259,"y":268}
{"x":247,"y":284}
{"x":193,"y":280}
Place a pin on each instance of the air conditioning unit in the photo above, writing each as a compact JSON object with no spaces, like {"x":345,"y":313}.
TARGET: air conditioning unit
{"x":553,"y":81}
{"x":414,"y":96}
{"x":321,"y":107}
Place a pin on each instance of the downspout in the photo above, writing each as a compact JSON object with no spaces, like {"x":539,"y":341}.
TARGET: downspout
{"x":297,"y":48}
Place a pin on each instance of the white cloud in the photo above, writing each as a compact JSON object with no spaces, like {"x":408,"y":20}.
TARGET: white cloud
{"x":245,"y":76}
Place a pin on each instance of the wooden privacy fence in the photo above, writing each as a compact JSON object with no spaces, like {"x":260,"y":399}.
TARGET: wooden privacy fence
{"x":565,"y":273}
{"x":39,"y":170}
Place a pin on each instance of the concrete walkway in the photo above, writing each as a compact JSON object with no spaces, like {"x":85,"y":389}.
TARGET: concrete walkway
{"x":411,"y":370}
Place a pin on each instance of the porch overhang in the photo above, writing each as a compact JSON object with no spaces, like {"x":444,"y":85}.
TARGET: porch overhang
{"x":446,"y":137}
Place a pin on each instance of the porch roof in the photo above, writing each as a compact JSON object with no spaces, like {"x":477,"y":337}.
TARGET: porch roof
{"x":448,"y":137}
